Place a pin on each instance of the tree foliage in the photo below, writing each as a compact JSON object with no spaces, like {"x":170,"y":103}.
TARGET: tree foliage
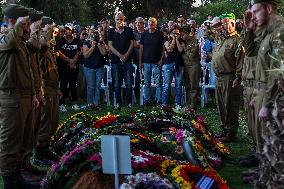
{"x":90,"y":11}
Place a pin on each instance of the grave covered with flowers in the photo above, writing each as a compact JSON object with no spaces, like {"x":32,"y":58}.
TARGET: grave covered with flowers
{"x":170,"y":148}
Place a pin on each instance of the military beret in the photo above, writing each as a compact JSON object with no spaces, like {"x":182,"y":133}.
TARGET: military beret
{"x":47,"y":20}
{"x":35,"y":15}
{"x":14,"y":11}
{"x":252,"y":2}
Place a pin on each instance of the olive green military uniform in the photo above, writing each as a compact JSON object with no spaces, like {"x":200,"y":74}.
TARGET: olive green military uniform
{"x":16,"y":90}
{"x":264,"y":88}
{"x":191,"y":59}
{"x":33,"y":47}
{"x":272,"y":161}
{"x":227,"y":68}
{"x":50,"y":76}
{"x":248,"y":77}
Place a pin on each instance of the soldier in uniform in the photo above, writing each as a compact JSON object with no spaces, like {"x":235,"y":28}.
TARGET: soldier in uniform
{"x":262,"y":15}
{"x":33,"y":49}
{"x":16,"y":95}
{"x":50,"y":78}
{"x":272,"y":161}
{"x":227,"y":68}
{"x":191,"y":64}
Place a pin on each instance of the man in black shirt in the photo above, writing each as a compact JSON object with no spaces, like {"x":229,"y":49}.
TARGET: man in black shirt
{"x":150,"y":59}
{"x":140,"y":29}
{"x":69,"y":51}
{"x":120,"y":41}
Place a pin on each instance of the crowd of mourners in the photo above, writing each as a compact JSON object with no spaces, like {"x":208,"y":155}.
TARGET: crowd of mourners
{"x":43,"y":64}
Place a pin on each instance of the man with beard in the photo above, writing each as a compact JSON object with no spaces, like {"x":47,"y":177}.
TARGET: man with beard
{"x":263,"y":14}
{"x":227,"y":67}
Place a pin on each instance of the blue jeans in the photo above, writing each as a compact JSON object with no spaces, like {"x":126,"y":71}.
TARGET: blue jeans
{"x":93,"y":80}
{"x":170,"y":71}
{"x":157,"y":75}
{"x":119,"y":72}
{"x":179,"y":71}
{"x":168,"y":74}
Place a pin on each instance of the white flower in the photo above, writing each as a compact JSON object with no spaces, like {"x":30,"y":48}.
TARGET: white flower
{"x":132,"y":180}
{"x":139,"y":159}
{"x":126,"y":186}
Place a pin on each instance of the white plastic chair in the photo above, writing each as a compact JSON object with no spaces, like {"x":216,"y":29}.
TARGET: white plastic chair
{"x":105,"y":84}
{"x":210,"y":85}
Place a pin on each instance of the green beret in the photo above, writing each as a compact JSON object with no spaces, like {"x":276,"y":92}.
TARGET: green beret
{"x":35,"y":15}
{"x":252,"y":2}
{"x":228,"y":15}
{"x":47,"y":20}
{"x":14,"y":11}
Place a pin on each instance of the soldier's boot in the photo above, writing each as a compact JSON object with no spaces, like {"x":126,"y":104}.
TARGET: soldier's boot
{"x":8,"y":182}
{"x":21,"y":183}
{"x":43,"y":157}
{"x":253,"y":162}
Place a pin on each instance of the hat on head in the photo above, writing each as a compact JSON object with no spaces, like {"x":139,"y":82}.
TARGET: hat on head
{"x":14,"y":11}
{"x":35,"y":15}
{"x":47,"y":20}
{"x":69,"y":26}
{"x":252,"y":2}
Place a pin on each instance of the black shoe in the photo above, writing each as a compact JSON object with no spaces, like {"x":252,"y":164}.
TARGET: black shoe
{"x":21,"y":183}
{"x":247,"y":157}
{"x":253,"y":162}
{"x":45,"y":153}
{"x":9,"y":182}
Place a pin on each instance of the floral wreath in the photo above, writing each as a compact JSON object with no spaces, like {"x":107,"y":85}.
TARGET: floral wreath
{"x":181,"y":175}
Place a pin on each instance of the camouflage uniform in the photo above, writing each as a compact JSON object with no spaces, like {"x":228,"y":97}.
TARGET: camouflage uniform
{"x":272,"y":162}
{"x":227,"y":68}
{"x":264,"y":88}
{"x":192,"y":71}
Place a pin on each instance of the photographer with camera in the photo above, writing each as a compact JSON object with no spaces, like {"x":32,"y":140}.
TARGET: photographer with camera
{"x":173,"y":67}
{"x":94,"y":51}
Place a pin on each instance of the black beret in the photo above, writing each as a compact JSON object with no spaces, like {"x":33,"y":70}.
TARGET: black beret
{"x":47,"y":20}
{"x":35,"y":15}
{"x":14,"y":11}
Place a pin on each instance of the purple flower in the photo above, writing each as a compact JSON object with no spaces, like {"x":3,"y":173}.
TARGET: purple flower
{"x":180,"y":135}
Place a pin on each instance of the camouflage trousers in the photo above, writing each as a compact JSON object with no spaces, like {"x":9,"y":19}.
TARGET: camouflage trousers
{"x":228,"y":102}
{"x":271,"y":168}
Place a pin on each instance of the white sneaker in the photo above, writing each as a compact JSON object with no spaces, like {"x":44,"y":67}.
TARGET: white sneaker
{"x":62,"y":108}
{"x":75,"y":107}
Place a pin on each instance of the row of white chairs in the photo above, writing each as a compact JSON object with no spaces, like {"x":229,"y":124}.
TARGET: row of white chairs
{"x":207,"y":69}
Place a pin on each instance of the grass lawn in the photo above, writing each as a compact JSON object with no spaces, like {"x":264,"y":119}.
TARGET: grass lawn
{"x":230,"y":169}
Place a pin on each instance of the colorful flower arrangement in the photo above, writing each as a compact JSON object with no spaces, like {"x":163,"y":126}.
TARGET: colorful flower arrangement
{"x":182,"y":175}
{"x":149,"y":180}
{"x":105,"y":121}
{"x":66,"y":166}
{"x":157,"y":139}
